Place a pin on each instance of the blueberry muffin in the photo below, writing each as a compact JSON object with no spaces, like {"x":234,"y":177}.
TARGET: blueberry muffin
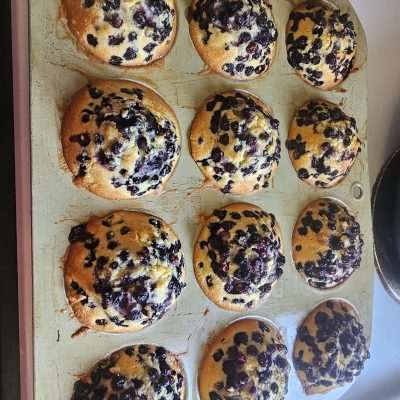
{"x":123,"y":271}
{"x":236,"y":38}
{"x":141,"y":372}
{"x":128,"y":33}
{"x":120,"y":139}
{"x":238,"y":256}
{"x":321,"y":44}
{"x":323,"y":143}
{"x":247,"y":360}
{"x":326,"y":244}
{"x":330,"y":348}
{"x":235,"y":142}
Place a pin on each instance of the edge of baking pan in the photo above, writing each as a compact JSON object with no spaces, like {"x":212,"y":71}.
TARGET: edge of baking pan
{"x":21,"y":79}
{"x":383,"y":247}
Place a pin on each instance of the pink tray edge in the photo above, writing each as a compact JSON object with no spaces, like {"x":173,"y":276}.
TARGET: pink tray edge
{"x":21,"y":82}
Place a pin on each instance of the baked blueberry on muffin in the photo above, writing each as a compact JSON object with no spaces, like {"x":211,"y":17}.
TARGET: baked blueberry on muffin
{"x":236,"y":38}
{"x":235,"y":142}
{"x":246,"y":360}
{"x":123,"y":32}
{"x":326,"y":244}
{"x":123,"y":271}
{"x":120,"y":139}
{"x":330,"y":348}
{"x":323,"y":143}
{"x":321,"y":44}
{"x":238,"y":256}
{"x":142,"y":372}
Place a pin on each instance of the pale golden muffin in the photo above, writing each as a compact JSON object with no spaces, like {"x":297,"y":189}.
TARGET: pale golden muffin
{"x":123,"y":271}
{"x":321,"y":44}
{"x":235,"y":142}
{"x":330,"y":348}
{"x":323,"y":143}
{"x":140,"y":372}
{"x":248,"y":361}
{"x":128,"y":33}
{"x":236,"y":38}
{"x":326,"y":244}
{"x":238,"y":256}
{"x":120,"y":139}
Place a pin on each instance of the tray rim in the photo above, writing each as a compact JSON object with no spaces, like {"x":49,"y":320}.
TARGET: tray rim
{"x":21,"y":39}
{"x":20,"y":22}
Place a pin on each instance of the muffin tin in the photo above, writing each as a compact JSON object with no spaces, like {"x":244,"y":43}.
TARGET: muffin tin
{"x":58,"y":69}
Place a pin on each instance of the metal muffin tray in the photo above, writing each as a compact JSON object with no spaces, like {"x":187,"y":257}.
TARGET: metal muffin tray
{"x":57,"y":69}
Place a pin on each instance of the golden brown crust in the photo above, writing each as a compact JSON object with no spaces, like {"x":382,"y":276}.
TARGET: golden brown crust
{"x":120,"y":122}
{"x":321,"y":44}
{"x":132,"y":372}
{"x":229,"y":50}
{"x":123,"y":271}
{"x":244,"y":359}
{"x":238,"y":256}
{"x":326,"y":244}
{"x":323,"y":143}
{"x":117,"y":32}
{"x":330,"y":347}
{"x":242,"y":156}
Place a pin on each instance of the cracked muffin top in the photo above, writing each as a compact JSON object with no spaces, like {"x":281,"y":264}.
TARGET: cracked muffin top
{"x":247,"y":360}
{"x":235,"y":142}
{"x":125,"y":33}
{"x":235,"y":38}
{"x":120,"y":139}
{"x":140,"y":372}
{"x":321,"y":44}
{"x":123,"y":271}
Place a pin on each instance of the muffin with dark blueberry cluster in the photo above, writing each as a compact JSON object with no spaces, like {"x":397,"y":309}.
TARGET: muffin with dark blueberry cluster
{"x":323,"y":143}
{"x":330,"y":348}
{"x":246,"y":360}
{"x":120,"y":139}
{"x":123,"y":32}
{"x":123,"y":271}
{"x":238,"y":256}
{"x":235,"y":142}
{"x":142,"y":372}
{"x":326,"y":244}
{"x":321,"y":44}
{"x":235,"y":38}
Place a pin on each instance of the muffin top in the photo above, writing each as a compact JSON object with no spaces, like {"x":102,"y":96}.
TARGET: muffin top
{"x":125,"y":33}
{"x":236,"y":38}
{"x":143,"y":372}
{"x":238,"y":256}
{"x":120,"y":139}
{"x":323,"y":143}
{"x":330,"y":348}
{"x":247,"y":360}
{"x":326,"y":244}
{"x":235,"y":142}
{"x":123,"y":271}
{"x":321,"y":44}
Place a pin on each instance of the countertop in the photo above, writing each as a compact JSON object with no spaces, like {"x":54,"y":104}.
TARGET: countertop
{"x":381,"y":378}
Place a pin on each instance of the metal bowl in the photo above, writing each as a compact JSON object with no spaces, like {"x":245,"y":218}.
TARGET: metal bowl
{"x":386,"y":224}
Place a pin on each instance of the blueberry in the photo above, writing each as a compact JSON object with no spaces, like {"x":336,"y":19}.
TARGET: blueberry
{"x":92,"y":40}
